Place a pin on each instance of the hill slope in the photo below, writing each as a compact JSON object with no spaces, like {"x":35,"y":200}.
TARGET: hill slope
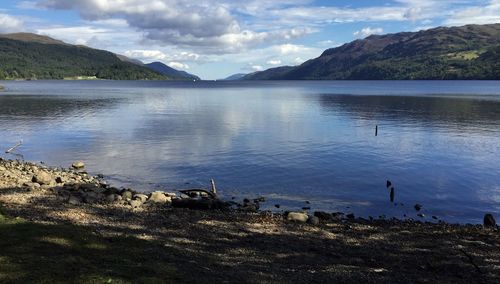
{"x":30,"y":56}
{"x":171,"y":72}
{"x":235,"y":77}
{"x":468,"y":52}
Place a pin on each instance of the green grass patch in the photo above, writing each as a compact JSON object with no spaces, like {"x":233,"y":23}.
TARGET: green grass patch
{"x":464,"y":55}
{"x":38,"y":253}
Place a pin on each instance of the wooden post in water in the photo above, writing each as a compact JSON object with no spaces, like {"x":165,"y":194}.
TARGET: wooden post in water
{"x":214,"y":190}
{"x":376,"y":130}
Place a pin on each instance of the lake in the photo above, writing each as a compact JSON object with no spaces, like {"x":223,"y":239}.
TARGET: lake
{"x":292,"y":142}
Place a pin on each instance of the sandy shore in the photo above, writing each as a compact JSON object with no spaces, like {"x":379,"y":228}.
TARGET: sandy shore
{"x":233,"y":246}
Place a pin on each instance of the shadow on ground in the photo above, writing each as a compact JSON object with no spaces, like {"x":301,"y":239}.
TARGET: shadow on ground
{"x":160,"y":244}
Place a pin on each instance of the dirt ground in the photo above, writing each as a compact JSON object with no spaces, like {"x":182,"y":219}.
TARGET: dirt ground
{"x":157,"y":243}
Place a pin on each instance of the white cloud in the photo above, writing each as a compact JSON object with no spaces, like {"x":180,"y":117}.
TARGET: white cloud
{"x":274,"y":62}
{"x":28,"y":5}
{"x":483,"y":14}
{"x":146,"y":55}
{"x":367,"y":32}
{"x":207,"y":26}
{"x":157,"y":55}
{"x":178,"y":65}
{"x":9,"y":24}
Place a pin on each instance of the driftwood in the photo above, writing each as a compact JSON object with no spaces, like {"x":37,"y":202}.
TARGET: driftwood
{"x":194,"y":193}
{"x":15,"y":147}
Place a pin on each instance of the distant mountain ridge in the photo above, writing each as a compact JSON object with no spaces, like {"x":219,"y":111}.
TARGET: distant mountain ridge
{"x":235,"y":77}
{"x":32,"y":56}
{"x":171,"y":72}
{"x":468,"y":52}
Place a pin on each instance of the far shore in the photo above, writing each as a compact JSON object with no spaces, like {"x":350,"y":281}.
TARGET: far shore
{"x":86,"y":231}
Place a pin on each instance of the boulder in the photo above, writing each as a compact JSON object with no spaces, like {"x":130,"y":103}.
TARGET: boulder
{"x":323,"y":215}
{"x":110,"y":198}
{"x":489,"y":221}
{"x":73,"y":200}
{"x":135,"y":203}
{"x":297,"y":217}
{"x":126,"y":194}
{"x":159,"y":197}
{"x":313,"y":220}
{"x":78,"y":165}
{"x":42,"y":178}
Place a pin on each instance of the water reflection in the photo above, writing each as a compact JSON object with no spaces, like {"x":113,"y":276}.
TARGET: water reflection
{"x":442,"y":111}
{"x":288,"y":142}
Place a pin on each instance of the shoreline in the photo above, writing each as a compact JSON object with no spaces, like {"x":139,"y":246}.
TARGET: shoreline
{"x":243,"y":245}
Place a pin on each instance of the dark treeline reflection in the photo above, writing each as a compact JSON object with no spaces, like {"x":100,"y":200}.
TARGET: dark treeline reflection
{"x":49,"y":107}
{"x":444,"y":111}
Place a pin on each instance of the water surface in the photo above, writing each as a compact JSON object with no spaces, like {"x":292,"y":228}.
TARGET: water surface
{"x":292,"y":142}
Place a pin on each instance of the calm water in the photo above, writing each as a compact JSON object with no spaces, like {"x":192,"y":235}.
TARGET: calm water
{"x":289,"y":141}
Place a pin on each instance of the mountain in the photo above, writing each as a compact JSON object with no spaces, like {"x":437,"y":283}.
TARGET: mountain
{"x":130,"y":60}
{"x":171,"y":72}
{"x":468,"y":52}
{"x":31,"y":56}
{"x":234,"y":77}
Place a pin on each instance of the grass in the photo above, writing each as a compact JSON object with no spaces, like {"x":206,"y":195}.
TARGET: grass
{"x":39,"y":253}
{"x":464,"y":55}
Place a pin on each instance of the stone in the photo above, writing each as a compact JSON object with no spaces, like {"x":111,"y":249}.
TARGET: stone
{"x":418,"y":207}
{"x":59,"y":180}
{"x":142,"y":197}
{"x":126,"y":194}
{"x":350,"y":216}
{"x":110,"y":198}
{"x":42,"y":178}
{"x":73,"y":200}
{"x":489,"y":221}
{"x":323,"y":215}
{"x":250,"y":207}
{"x":78,"y":165}
{"x":159,"y":197}
{"x":297,"y":217}
{"x":135,"y":203}
{"x":313,"y":220}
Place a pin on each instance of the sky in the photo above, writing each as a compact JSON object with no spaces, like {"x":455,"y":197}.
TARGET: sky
{"x":217,"y":38}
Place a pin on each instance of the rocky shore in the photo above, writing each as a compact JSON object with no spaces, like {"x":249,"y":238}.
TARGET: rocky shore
{"x":235,"y":242}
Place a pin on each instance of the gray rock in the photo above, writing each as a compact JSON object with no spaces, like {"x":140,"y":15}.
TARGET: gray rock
{"x":313,"y":220}
{"x":323,"y":215}
{"x":42,"y":178}
{"x":250,"y":207}
{"x":78,"y":165}
{"x":127,"y":194}
{"x":110,"y":198}
{"x":489,"y":221}
{"x":159,"y":197}
{"x":297,"y":217}
{"x":135,"y":203}
{"x":142,"y":197}
{"x":73,"y":200}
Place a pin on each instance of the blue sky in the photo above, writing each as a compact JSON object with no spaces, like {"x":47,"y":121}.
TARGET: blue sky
{"x":217,"y":38}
